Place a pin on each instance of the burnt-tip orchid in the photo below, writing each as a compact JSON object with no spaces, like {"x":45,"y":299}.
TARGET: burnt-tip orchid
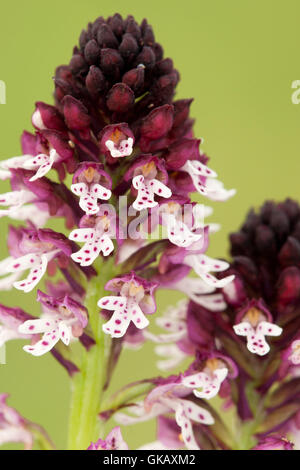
{"x":135,"y":299}
{"x":63,"y":319}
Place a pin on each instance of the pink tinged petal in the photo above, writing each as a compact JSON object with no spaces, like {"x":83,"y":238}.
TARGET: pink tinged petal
{"x":174,"y":356}
{"x":214,"y":302}
{"x":165,"y":338}
{"x":82,"y":234}
{"x":112,"y":302}
{"x":43,"y":346}
{"x":216,"y":192}
{"x":14,"y":162}
{"x":16,"y":198}
{"x":117,"y":326}
{"x":16,"y":433}
{"x":145,"y":196}
{"x":40,"y":325}
{"x":34,"y":276}
{"x":124,"y":149}
{"x":100,"y":192}
{"x":179,"y":234}
{"x":30,"y":212}
{"x":171,"y":324}
{"x":137,"y":317}
{"x":7,"y":334}
{"x":186,"y":429}
{"x":140,"y":414}
{"x":45,"y":164}
{"x":115,"y":440}
{"x":6,"y":283}
{"x":65,"y":333}
{"x":5,"y":175}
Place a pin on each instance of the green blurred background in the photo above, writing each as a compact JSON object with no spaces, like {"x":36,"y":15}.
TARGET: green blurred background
{"x":238,"y":60}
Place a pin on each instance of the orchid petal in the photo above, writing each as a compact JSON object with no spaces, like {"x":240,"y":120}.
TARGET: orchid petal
{"x":34,"y":276}
{"x":137,"y":316}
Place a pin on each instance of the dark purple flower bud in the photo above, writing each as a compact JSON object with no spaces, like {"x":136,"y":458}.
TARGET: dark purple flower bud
{"x":120,"y":98}
{"x":76,"y":114}
{"x":116,"y":24}
{"x":47,"y":117}
{"x":146,"y":57}
{"x":128,"y":47}
{"x":289,"y":254}
{"x":111,"y":62}
{"x":158,"y":123}
{"x":106,"y":38}
{"x":181,"y":151}
{"x":133,"y":28}
{"x":134,"y":78}
{"x":288,"y":289}
{"x":78,"y":64}
{"x":92,"y":52}
{"x":95,"y":81}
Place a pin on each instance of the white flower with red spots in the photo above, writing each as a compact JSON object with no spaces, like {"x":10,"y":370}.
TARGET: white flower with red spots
{"x":123,"y":149}
{"x":149,"y":179}
{"x":96,"y":240}
{"x":255,"y":327}
{"x":35,"y":262}
{"x":42,"y":163}
{"x":209,"y":380}
{"x":90,"y":183}
{"x":256,"y":341}
{"x":147,"y":188}
{"x":135,"y":299}
{"x":179,"y":232}
{"x":204,"y":181}
{"x":64,"y":319}
{"x":202,"y":266}
{"x":168,"y":399}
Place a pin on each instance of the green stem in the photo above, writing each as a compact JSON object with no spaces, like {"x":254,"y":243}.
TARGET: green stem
{"x":87,"y":385}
